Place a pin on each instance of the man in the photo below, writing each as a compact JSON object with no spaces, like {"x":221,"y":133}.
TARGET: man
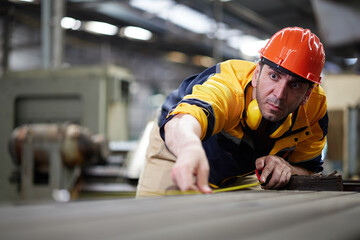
{"x":238,"y":116}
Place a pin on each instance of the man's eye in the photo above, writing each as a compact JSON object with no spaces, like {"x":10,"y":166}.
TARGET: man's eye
{"x":273,"y":75}
{"x":295,"y":85}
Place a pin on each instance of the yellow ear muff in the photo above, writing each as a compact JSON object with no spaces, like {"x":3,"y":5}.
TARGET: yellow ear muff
{"x":253,"y":115}
{"x":253,"y":119}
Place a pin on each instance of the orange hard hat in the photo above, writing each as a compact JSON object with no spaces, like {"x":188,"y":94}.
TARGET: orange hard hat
{"x":298,"y":50}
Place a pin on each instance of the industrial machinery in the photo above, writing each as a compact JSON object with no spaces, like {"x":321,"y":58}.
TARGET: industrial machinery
{"x":95,"y":98}
{"x":49,"y":156}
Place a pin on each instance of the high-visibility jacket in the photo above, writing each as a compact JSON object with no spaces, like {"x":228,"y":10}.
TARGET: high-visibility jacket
{"x":218,"y":99}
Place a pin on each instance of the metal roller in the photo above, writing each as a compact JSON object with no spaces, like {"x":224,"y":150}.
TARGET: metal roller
{"x":77,"y":144}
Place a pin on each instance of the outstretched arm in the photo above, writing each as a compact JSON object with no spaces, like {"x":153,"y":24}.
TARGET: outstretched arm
{"x":182,"y":137}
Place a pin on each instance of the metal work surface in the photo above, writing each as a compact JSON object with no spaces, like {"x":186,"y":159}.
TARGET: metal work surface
{"x":235,"y":215}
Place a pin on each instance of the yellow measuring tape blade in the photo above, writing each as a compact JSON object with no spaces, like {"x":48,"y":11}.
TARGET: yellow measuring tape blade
{"x":217,"y":190}
{"x":235,"y":188}
{"x":193,"y":192}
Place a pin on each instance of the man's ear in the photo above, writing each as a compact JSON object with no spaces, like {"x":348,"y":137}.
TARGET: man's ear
{"x":307,"y":95}
{"x":255,"y":75}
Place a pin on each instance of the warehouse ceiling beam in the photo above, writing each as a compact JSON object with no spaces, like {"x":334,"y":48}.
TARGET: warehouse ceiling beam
{"x":250,"y":16}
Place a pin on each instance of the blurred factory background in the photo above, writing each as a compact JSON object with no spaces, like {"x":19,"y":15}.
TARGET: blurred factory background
{"x":80,"y":82}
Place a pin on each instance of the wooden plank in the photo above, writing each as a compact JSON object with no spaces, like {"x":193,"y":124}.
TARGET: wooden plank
{"x":249,"y":224}
{"x":332,"y":182}
{"x":339,"y":225}
{"x":237,"y":215}
{"x":126,"y":207}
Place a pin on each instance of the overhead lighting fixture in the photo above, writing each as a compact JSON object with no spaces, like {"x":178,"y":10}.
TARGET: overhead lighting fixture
{"x":23,"y":1}
{"x":178,"y":14}
{"x":224,"y":33}
{"x":101,"y":28}
{"x":191,"y":19}
{"x":203,"y":61}
{"x":70,"y":23}
{"x":154,"y":7}
{"x":195,"y":21}
{"x":136,"y":33}
{"x":177,"y":57}
{"x":350,"y":61}
{"x":252,"y":48}
{"x":248,"y":45}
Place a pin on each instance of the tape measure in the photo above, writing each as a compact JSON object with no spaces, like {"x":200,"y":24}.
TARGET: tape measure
{"x":217,"y":190}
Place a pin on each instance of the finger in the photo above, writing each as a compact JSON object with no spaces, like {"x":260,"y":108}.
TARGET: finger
{"x":276,"y":174}
{"x":260,"y":163}
{"x":272,"y":181}
{"x":287,"y":178}
{"x":284,"y":179}
{"x":267,"y":170}
{"x":281,"y":180}
{"x":202,"y":180}
{"x":183,"y":178}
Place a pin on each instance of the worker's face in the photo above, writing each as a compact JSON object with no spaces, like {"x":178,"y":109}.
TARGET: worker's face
{"x":278,"y":94}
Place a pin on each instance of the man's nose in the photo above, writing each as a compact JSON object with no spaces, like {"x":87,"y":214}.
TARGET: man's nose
{"x":280,"y":90}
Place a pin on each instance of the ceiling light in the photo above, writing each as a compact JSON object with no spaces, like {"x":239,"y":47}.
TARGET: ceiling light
{"x":177,"y":57}
{"x":178,"y":14}
{"x":154,"y":7}
{"x":101,"y":28}
{"x":203,"y":61}
{"x":252,"y":48}
{"x":248,"y":45}
{"x":24,"y":1}
{"x":350,"y":61}
{"x":224,"y":33}
{"x":70,"y":23}
{"x":136,"y":33}
{"x":191,"y":19}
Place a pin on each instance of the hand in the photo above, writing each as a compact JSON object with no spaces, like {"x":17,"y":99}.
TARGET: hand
{"x":192,"y":161}
{"x":182,"y":136}
{"x":277,"y":169}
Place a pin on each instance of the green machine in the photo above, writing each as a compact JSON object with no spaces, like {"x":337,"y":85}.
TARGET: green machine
{"x":95,"y":97}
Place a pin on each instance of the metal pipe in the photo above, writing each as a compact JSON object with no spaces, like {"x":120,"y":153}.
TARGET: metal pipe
{"x":353,"y":141}
{"x":46,"y":33}
{"x":217,"y":43}
{"x":7,"y":27}
{"x":58,"y":33}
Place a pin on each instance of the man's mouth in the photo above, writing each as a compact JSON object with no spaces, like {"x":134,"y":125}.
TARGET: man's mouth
{"x":274,"y":107}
